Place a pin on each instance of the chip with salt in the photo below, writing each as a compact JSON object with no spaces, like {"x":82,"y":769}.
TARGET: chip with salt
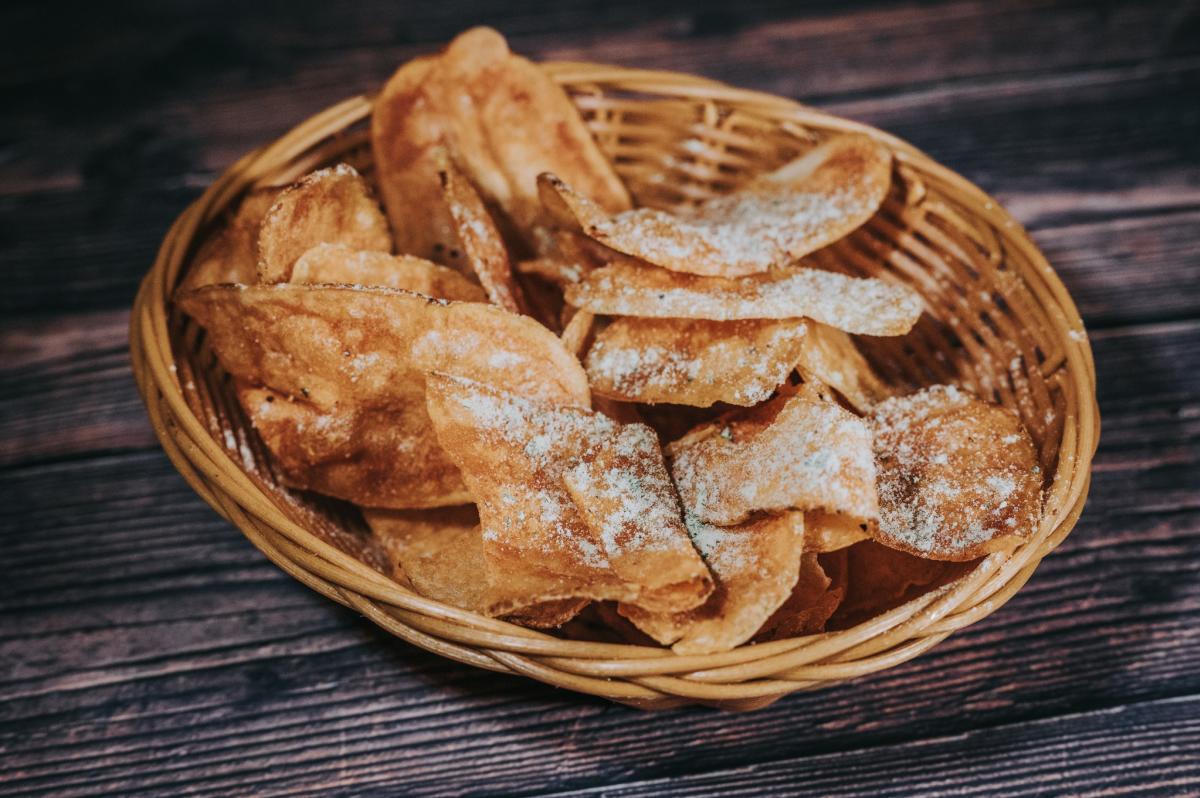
{"x":862,"y":305}
{"x":755,"y":566}
{"x":482,"y":244}
{"x":879,"y":579}
{"x":827,"y":532}
{"x":958,"y":477}
{"x":693,"y":361}
{"x":772,"y":221}
{"x":515,"y":453}
{"x":829,"y":356}
{"x":329,"y":206}
{"x":502,"y":118}
{"x":356,"y":357}
{"x":792,"y":453}
{"x":230,"y":255}
{"x":439,"y":553}
{"x":338,"y":263}
{"x":812,"y":602}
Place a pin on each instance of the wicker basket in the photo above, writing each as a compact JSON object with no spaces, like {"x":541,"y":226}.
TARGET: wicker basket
{"x":999,"y":322}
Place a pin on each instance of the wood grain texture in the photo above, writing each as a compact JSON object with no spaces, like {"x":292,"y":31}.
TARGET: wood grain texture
{"x":147,"y":648}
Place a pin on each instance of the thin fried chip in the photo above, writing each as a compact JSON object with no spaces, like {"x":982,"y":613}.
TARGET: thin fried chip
{"x":329,"y":206}
{"x":806,"y":611}
{"x":481,"y":241}
{"x":958,"y":478}
{"x":827,"y":532}
{"x":230,"y":255}
{"x":439,"y":553}
{"x":693,"y":361}
{"x":755,"y":565}
{"x":355,"y":358}
{"x":624,"y":494}
{"x":829,"y":356}
{"x":513,"y":454}
{"x":865,"y":306}
{"x":769,"y":223}
{"x":338,"y":263}
{"x":793,"y":453}
{"x":504,"y":121}
{"x":880,"y":579}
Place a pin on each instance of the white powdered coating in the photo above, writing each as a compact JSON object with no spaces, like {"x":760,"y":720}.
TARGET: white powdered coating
{"x":727,"y":551}
{"x":864,"y":306}
{"x":952,"y":476}
{"x":811,"y":455}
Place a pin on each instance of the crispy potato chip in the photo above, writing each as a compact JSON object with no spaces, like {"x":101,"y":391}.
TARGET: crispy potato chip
{"x":329,"y":206}
{"x":879,"y":579}
{"x":503,"y":120}
{"x":380,"y":456}
{"x":812,"y":602}
{"x":826,"y":532}
{"x":793,"y":453}
{"x":337,"y":263}
{"x":958,"y":478}
{"x":514,"y":454}
{"x":577,"y":334}
{"x":481,"y":241}
{"x":230,"y":255}
{"x":865,"y":306}
{"x":755,"y":566}
{"x":439,"y":553}
{"x":693,"y":361}
{"x":624,"y":494}
{"x":769,"y":223}
{"x":829,"y":356}
{"x":354,"y":358}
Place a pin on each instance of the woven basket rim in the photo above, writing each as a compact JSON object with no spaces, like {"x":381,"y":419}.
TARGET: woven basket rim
{"x":650,"y":677}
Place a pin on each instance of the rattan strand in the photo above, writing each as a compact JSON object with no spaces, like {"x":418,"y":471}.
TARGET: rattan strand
{"x":1000,"y":322}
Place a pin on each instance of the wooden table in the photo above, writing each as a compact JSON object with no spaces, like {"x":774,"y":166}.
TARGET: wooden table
{"x":147,"y":648}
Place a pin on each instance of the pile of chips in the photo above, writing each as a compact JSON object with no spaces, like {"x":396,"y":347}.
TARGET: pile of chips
{"x":560,"y":409}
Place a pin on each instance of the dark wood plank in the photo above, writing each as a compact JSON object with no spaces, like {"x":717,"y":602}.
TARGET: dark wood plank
{"x":171,"y":634}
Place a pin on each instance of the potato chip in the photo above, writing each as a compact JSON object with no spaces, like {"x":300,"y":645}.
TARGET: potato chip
{"x":767,"y":224}
{"x":502,"y":119}
{"x":329,"y":206}
{"x":693,"y":361}
{"x":958,"y":478}
{"x":439,"y":553}
{"x":354,"y":359}
{"x":793,"y":453}
{"x":829,"y":356}
{"x":230,"y":255}
{"x":337,"y":263}
{"x":514,"y":454}
{"x":826,"y":532}
{"x":374,"y":456}
{"x":812,"y":601}
{"x":755,"y":566}
{"x":624,"y":494}
{"x":481,"y":242}
{"x":879,"y":579}
{"x":865,"y":306}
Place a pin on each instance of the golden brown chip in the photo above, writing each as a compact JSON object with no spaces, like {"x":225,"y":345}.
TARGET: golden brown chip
{"x":502,"y":119}
{"x":866,"y":306}
{"x":337,"y":263}
{"x":693,"y":361}
{"x":230,"y":255}
{"x":383,"y":456}
{"x":513,"y":454}
{"x":830,"y":357}
{"x":355,"y":358}
{"x":624,"y":494}
{"x":481,"y":242}
{"x":329,"y":206}
{"x":812,"y":601}
{"x":767,"y":224}
{"x":793,"y":453}
{"x":439,"y":553}
{"x":879,"y":579}
{"x":755,"y":565}
{"x":826,"y":532}
{"x":958,"y":478}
